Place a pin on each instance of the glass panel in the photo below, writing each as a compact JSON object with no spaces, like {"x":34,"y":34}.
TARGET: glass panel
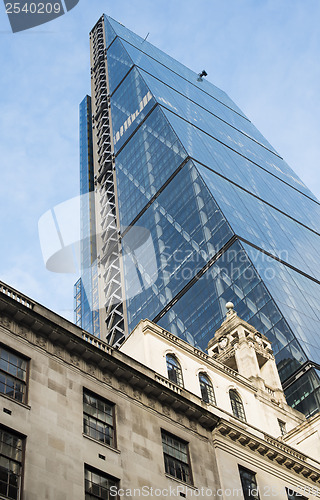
{"x":207,"y":150}
{"x":119,"y":63}
{"x":236,"y":405}
{"x":186,"y":229}
{"x":249,"y":484}
{"x":130,"y":103}
{"x":174,"y":370}
{"x":201,"y":310}
{"x":98,"y":485}
{"x":176,"y":457}
{"x":264,"y":226}
{"x":12,"y":375}
{"x":143,"y":166}
{"x":297,"y":297}
{"x":304,"y":394}
{"x":109,"y":32}
{"x":202,"y":118}
{"x":206,"y":388}
{"x":98,"y":418}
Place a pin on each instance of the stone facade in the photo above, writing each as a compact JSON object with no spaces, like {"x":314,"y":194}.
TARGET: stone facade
{"x":63,"y":362}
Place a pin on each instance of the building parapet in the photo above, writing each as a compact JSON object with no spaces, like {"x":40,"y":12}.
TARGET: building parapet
{"x":15,"y":295}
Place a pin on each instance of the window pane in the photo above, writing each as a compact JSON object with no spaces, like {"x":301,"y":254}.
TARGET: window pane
{"x":12,"y":375}
{"x":207,"y":393}
{"x":236,"y":405}
{"x":176,"y":459}
{"x":98,"y":484}
{"x":10,"y":464}
{"x":249,"y":484}
{"x":98,"y":418}
{"x":174,"y":370}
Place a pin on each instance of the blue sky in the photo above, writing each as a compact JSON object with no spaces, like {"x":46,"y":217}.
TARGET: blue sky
{"x":264,"y":53}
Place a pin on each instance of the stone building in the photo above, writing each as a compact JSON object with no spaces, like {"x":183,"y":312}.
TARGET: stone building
{"x":155,"y":418}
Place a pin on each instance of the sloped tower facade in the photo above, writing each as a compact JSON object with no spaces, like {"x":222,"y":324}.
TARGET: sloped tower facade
{"x":86,"y":302}
{"x":195,"y":208}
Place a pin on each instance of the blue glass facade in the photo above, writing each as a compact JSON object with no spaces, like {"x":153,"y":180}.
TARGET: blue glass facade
{"x":227,"y":218}
{"x":86,"y":288}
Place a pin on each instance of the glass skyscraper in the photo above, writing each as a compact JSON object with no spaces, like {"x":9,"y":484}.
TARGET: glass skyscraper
{"x":194,"y":209}
{"x":86,"y":302}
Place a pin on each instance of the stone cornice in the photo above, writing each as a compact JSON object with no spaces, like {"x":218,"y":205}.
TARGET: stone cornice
{"x":271,"y":448}
{"x":97,"y":359}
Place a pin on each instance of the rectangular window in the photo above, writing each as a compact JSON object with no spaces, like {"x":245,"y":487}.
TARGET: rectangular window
{"x":98,"y":418}
{"x":11,"y":447}
{"x":292,"y":495}
{"x":13,"y":375}
{"x":282,"y":426}
{"x":99,"y":485}
{"x":249,"y":484}
{"x":176,"y":457}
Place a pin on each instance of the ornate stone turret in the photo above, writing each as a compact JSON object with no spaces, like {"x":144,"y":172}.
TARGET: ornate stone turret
{"x":241,"y":347}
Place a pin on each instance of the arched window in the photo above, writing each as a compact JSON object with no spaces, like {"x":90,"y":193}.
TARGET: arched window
{"x":174,"y":370}
{"x":206,"y":388}
{"x":236,"y":405}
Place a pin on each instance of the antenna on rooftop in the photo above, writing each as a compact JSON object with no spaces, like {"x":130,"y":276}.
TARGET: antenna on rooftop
{"x":201,"y":75}
{"x":146,"y":37}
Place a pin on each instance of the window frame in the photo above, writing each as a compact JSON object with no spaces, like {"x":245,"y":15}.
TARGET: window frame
{"x":177,"y":369}
{"x":102,"y":474}
{"x":238,"y":404}
{"x":20,"y":462}
{"x":92,"y":394}
{"x":165,"y":433}
{"x":208,"y":384}
{"x":25,"y":383}
{"x":245,"y":492}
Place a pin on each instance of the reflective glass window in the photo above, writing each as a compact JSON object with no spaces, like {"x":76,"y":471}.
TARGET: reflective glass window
{"x":152,"y":154}
{"x":206,"y":387}
{"x":13,"y":375}
{"x":176,"y":457}
{"x":109,"y":32}
{"x":186,"y":229}
{"x":174,"y":370}
{"x":249,"y":484}
{"x":119,"y":63}
{"x":98,"y":418}
{"x":99,"y":485}
{"x":237,"y":405}
{"x":130,"y":104}
{"x":11,"y":448}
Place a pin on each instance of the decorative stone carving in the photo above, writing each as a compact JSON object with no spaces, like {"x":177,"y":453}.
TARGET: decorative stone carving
{"x":193,"y":425}
{"x":5,"y":322}
{"x":106,"y":378}
{"x":91,"y":370}
{"x":223,"y":342}
{"x":57,"y":351}
{"x":152,"y":403}
{"x":40,"y":341}
{"x":258,"y":338}
{"x":122,"y":387}
{"x":23,"y":331}
{"x":179,"y":419}
{"x":137,"y":395}
{"x":75,"y":360}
